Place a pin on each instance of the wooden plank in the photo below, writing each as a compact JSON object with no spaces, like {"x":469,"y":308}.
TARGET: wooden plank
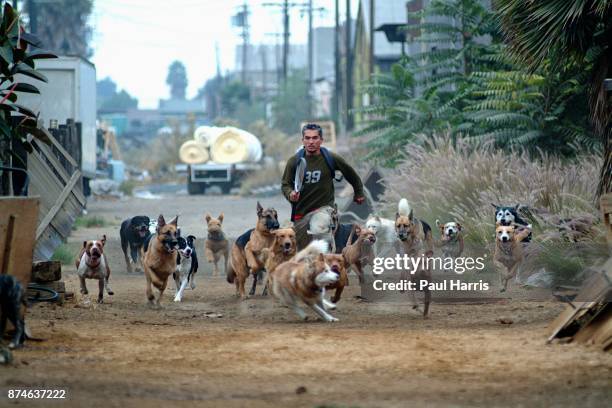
{"x":61,"y":149}
{"x":57,"y":166}
{"x":58,"y":203}
{"x":24,"y":212}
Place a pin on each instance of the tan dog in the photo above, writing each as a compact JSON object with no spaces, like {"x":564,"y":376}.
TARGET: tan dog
{"x":304,"y":278}
{"x":159,"y":259}
{"x":416,"y":240}
{"x":247,"y":260}
{"x":361,"y":252}
{"x":508,"y":251}
{"x":92,"y":264}
{"x":337,"y":265}
{"x":282,"y":249}
{"x":216,"y":244}
{"x":451,"y":241}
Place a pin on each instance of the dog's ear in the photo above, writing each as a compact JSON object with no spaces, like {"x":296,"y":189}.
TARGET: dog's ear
{"x":357,"y":229}
{"x":411,"y":215}
{"x":516,"y":207}
{"x":438,"y":223}
{"x":174,"y":221}
{"x":84,"y":244}
{"x":459,"y":227}
{"x":321,"y":257}
{"x":161,"y":221}
{"x":495,"y":205}
{"x":103,"y":240}
{"x":397,"y":215}
{"x":259,"y":209}
{"x":220,"y":218}
{"x":207,"y":217}
{"x":377,"y":218}
{"x":191,"y":237}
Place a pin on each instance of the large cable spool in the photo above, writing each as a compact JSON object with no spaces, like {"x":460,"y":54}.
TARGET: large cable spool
{"x":236,"y":146}
{"x":193,"y":152}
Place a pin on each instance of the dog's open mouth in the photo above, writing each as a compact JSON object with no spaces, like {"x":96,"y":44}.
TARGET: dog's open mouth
{"x":142,"y":231}
{"x":335,"y":269}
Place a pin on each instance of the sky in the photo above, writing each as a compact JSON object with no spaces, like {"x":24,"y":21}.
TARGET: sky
{"x":135,"y":41}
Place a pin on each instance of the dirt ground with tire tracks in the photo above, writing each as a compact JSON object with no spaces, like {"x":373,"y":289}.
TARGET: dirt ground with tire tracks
{"x":215,"y":350}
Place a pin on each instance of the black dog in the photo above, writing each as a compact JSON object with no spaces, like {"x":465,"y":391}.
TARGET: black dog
{"x":510,"y":215}
{"x":134,"y":231}
{"x":11,"y":298}
{"x":186,"y":265}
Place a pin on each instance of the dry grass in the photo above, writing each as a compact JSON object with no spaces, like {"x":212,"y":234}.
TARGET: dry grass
{"x":447,"y":181}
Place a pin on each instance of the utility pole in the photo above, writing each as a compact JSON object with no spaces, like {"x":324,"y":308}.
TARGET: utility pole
{"x":285,"y":38}
{"x":349,"y":69}
{"x":245,"y":40}
{"x":337,"y":74}
{"x":310,"y":61}
{"x":372,"y":23}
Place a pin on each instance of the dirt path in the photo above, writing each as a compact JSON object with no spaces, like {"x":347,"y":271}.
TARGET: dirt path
{"x":214,"y":350}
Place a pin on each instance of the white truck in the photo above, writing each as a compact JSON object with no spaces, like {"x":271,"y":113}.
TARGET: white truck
{"x":220,"y":156}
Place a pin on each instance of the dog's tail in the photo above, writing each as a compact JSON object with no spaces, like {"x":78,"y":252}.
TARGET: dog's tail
{"x":403,"y":208}
{"x":313,"y":249}
{"x":231,"y":274}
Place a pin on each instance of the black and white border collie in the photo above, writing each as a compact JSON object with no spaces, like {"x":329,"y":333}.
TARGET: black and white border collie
{"x":186,"y":266}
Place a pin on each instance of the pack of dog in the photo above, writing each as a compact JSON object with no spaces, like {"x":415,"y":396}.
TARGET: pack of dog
{"x":415,"y":240}
{"x":216,"y":244}
{"x":133,"y":233}
{"x":186,"y":265}
{"x":160,"y":258}
{"x":91,"y":263}
{"x":246,"y":253}
{"x":304,"y":279}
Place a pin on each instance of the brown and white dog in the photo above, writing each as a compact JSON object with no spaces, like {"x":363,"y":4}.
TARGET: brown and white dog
{"x":282,"y":249}
{"x":361,"y":252}
{"x":304,"y":278}
{"x":416,"y":240}
{"x":337,"y":264}
{"x":247,"y":260}
{"x":159,"y":259}
{"x":216,"y":244}
{"x":509,"y":250}
{"x":92,"y":264}
{"x":451,"y":241}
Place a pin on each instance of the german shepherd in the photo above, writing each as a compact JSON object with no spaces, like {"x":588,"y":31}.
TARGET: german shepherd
{"x":247,"y":260}
{"x":416,"y":240}
{"x":159,"y":259}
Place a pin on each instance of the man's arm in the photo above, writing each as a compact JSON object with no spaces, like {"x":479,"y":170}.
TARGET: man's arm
{"x":351,"y":176}
{"x":288,"y":176}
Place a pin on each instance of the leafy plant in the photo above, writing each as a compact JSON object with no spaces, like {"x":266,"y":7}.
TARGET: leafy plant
{"x":17,"y":121}
{"x":543,"y":110}
{"x":568,"y":30}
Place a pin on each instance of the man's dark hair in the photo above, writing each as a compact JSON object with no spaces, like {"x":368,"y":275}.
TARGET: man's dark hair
{"x":312,"y":126}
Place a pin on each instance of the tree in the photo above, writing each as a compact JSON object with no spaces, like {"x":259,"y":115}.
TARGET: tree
{"x":234,"y":94}
{"x":62,"y":25}
{"x":108,"y":99}
{"x":177,"y":79}
{"x":568,"y":30}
